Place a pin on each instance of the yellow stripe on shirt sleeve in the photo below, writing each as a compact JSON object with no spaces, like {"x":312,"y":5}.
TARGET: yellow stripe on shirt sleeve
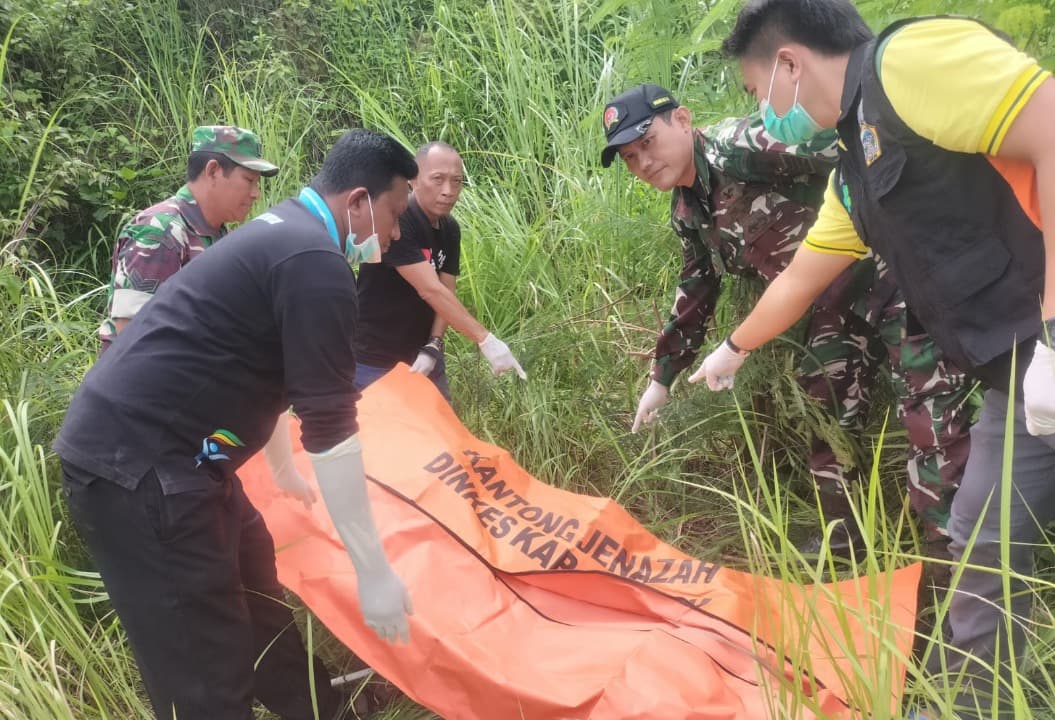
{"x":816,"y":246}
{"x":834,"y":232}
{"x":1016,"y":98}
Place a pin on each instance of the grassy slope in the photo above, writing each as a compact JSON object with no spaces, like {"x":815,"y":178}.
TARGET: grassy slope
{"x":570,"y":264}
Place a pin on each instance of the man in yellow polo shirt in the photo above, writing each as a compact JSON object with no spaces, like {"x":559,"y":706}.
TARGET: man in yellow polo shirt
{"x":945,"y":169}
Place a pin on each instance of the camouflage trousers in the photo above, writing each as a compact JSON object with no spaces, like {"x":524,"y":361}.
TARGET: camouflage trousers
{"x":844,"y":354}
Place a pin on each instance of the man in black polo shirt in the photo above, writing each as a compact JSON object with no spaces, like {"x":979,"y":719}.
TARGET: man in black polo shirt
{"x":152,"y":439}
{"x":407,"y":301}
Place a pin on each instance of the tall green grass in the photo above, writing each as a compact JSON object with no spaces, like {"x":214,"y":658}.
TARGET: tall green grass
{"x":62,"y":653}
{"x":573,"y":265}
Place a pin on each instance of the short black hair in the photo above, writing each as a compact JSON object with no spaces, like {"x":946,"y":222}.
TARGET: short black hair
{"x":666,"y":115}
{"x":199,"y":159}
{"x":364,"y":158}
{"x":425,"y":149}
{"x":829,"y":27}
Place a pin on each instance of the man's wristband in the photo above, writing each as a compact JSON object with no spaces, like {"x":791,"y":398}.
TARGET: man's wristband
{"x":734,"y":348}
{"x":434,"y":348}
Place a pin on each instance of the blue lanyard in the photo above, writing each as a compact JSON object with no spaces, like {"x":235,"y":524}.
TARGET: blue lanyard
{"x":317,"y":206}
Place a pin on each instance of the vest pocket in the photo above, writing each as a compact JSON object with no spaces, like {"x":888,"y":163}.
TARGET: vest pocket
{"x":970,"y":270}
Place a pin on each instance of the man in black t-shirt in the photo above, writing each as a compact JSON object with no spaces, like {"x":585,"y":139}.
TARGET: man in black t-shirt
{"x":154,"y":435}
{"x":407,"y":301}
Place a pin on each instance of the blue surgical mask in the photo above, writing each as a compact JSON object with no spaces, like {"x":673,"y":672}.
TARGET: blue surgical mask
{"x":369,"y":250}
{"x":796,"y":126}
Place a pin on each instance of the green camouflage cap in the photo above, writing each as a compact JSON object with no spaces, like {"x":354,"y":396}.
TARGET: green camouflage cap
{"x":241,"y":146}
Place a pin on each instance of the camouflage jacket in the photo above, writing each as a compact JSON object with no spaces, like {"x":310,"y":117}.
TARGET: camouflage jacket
{"x":750,"y":207}
{"x":149,"y":250}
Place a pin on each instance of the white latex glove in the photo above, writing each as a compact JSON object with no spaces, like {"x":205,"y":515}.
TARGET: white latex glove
{"x":656,"y":395}
{"x":501,"y":359}
{"x":383,"y":597}
{"x":279,"y":454}
{"x":719,"y":368}
{"x":1038,"y":391}
{"x":424,"y":364}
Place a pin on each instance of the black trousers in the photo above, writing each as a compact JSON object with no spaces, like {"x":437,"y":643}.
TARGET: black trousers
{"x":192,"y":578}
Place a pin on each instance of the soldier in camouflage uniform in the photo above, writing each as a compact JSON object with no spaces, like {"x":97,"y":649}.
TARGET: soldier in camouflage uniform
{"x":223,"y":177}
{"x":742,"y":203}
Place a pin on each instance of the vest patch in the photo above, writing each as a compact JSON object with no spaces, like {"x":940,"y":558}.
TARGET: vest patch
{"x":870,"y":143}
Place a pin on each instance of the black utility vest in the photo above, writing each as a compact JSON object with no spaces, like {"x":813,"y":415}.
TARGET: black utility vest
{"x":967,"y":258}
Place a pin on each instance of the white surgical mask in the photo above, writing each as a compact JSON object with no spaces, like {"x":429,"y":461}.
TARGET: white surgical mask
{"x":369,"y":250}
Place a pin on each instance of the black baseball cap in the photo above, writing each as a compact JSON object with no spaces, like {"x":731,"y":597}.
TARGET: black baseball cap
{"x":626,"y":117}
